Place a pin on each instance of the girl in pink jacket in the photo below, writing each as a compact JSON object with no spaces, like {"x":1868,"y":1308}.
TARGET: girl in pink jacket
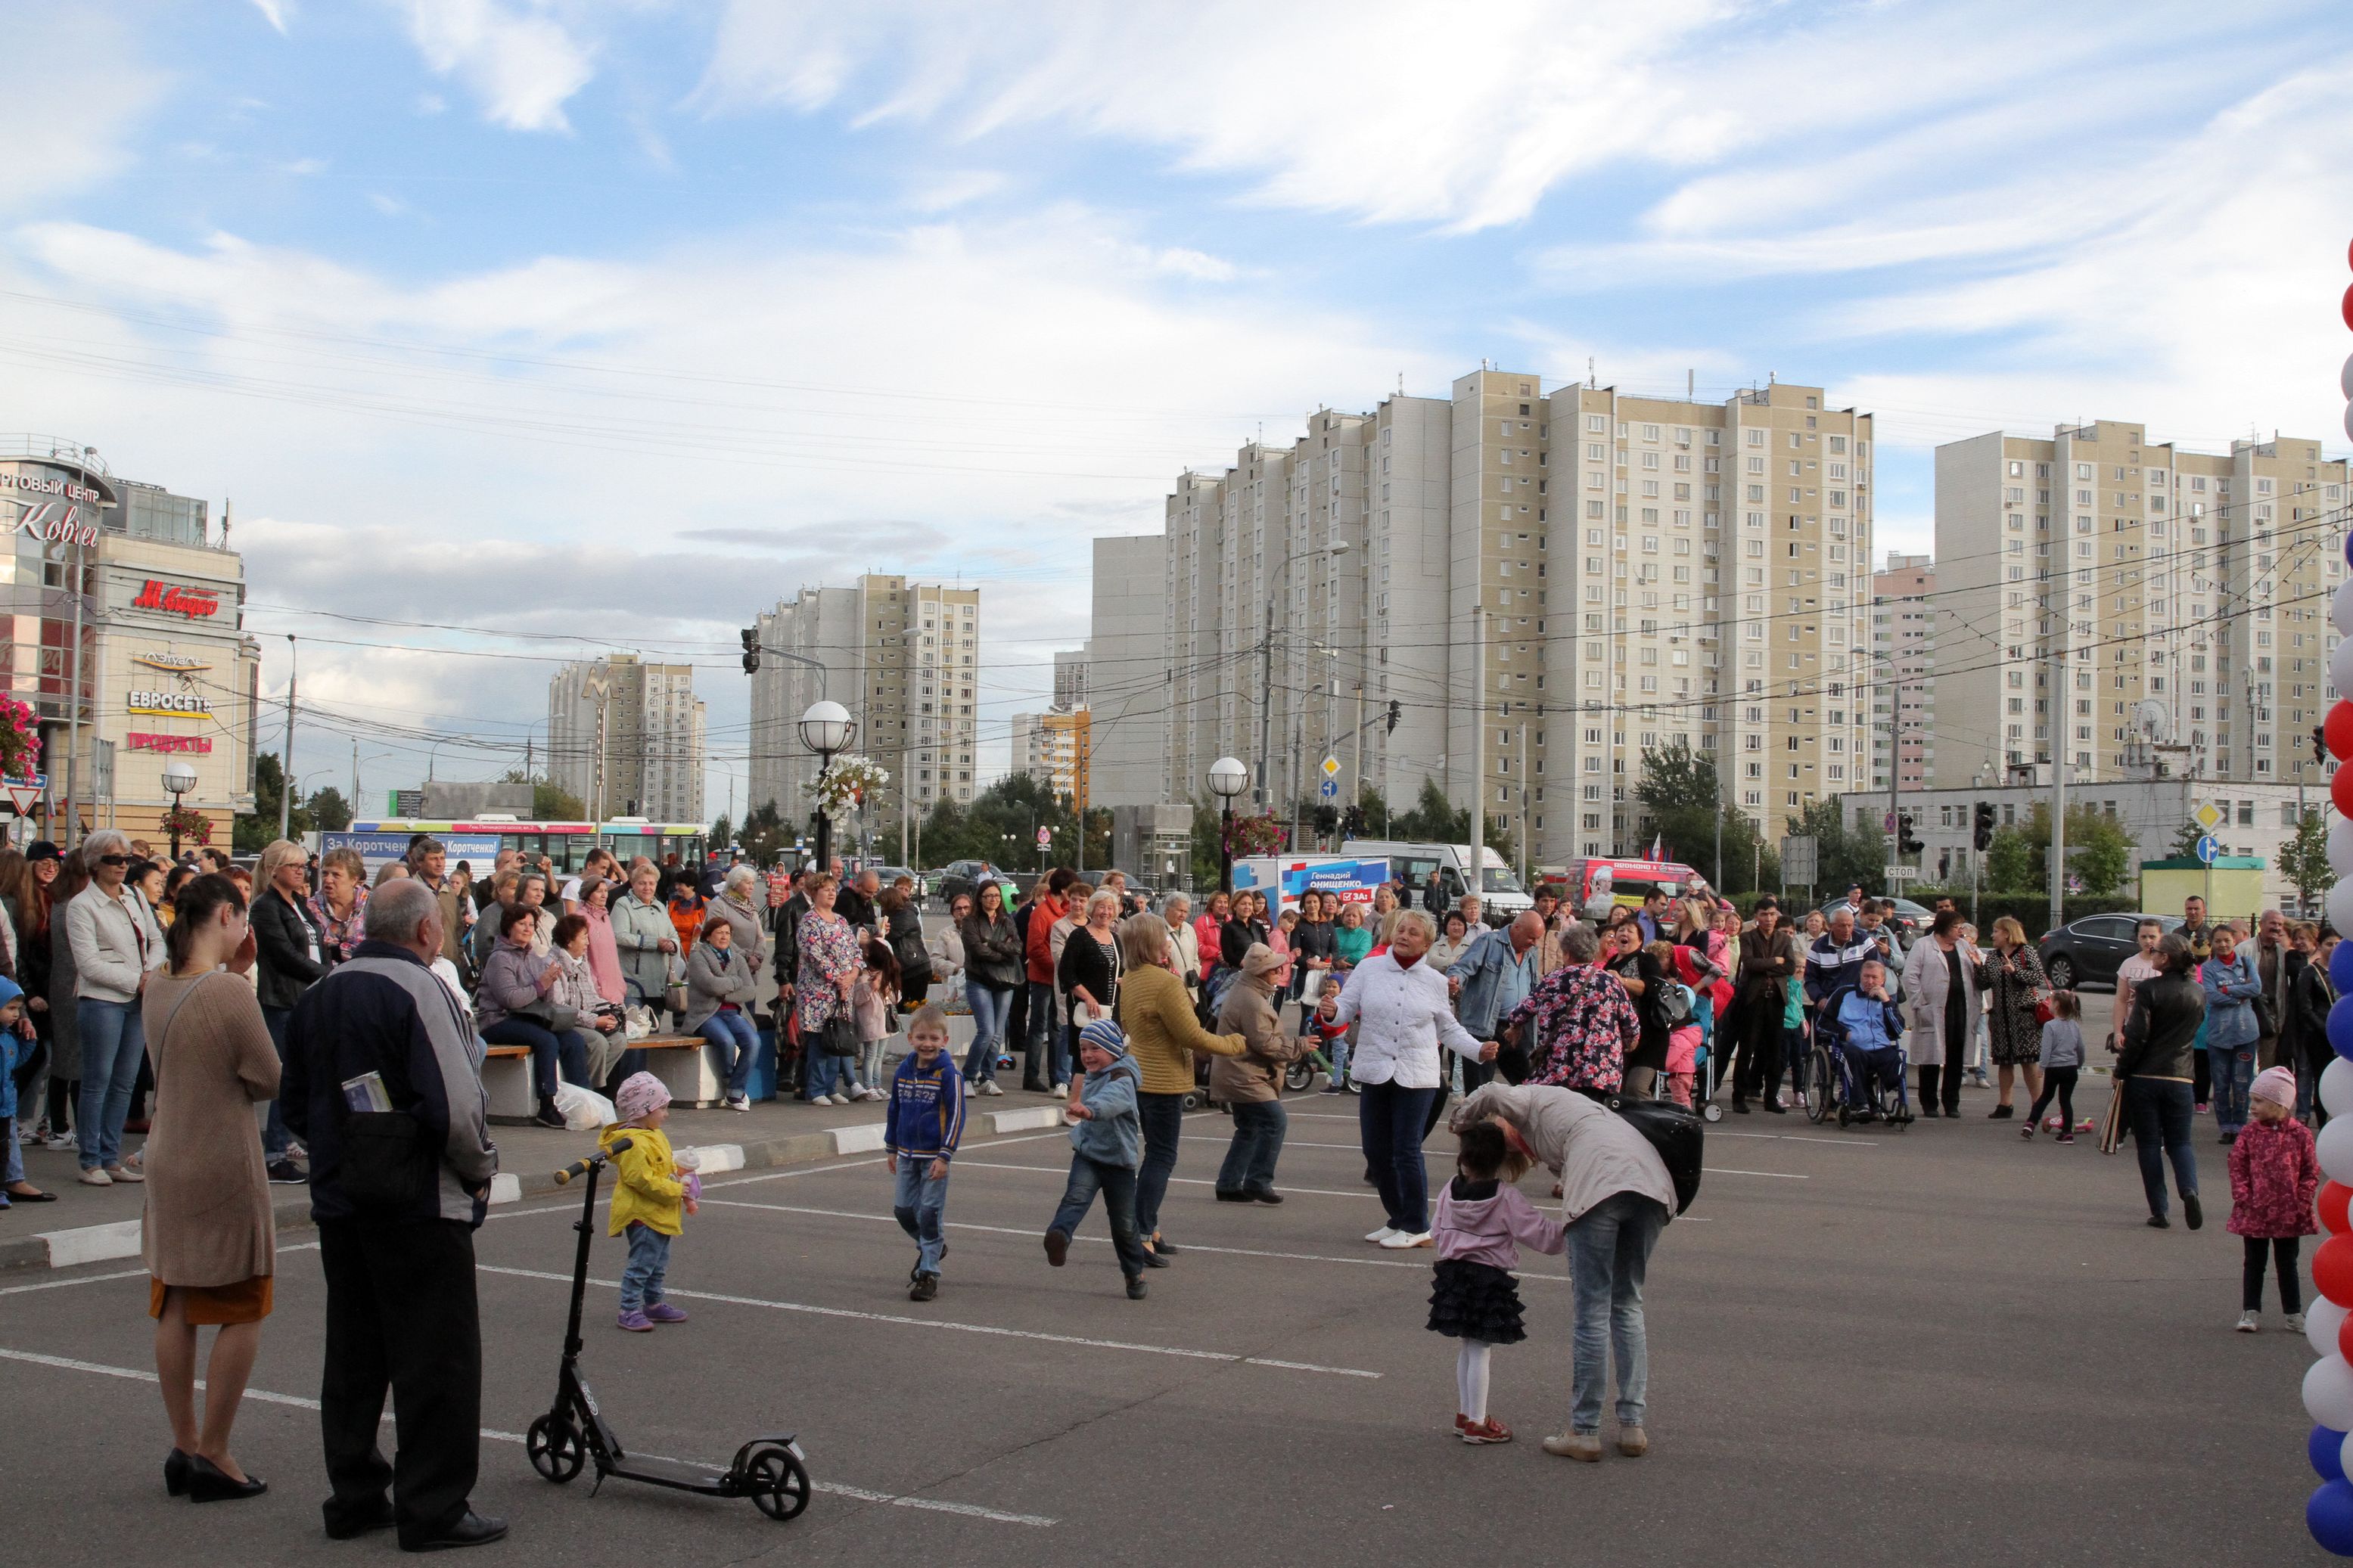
{"x":1483,"y":1222}
{"x":2274,"y":1177}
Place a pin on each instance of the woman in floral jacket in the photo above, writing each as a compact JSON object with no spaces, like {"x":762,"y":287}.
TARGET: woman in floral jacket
{"x":828,"y":969}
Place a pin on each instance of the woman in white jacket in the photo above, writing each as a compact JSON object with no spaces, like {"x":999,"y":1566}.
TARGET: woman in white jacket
{"x":116,"y":945}
{"x":1941,"y":1007}
{"x":1403,"y":1014}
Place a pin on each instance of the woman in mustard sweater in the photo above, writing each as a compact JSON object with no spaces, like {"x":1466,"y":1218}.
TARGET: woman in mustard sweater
{"x":1156,"y":1012}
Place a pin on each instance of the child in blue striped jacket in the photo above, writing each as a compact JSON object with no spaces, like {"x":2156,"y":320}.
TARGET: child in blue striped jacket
{"x":921,"y":1130}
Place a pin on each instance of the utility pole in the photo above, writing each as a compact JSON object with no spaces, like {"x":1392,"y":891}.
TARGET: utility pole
{"x":2058,"y":819}
{"x":1265,"y":696}
{"x":286,"y":762}
{"x":1358,"y":799}
{"x":356,"y":778}
{"x":1296,"y":741}
{"x":1476,"y":875}
{"x":1526,"y":859}
{"x":73,"y":709}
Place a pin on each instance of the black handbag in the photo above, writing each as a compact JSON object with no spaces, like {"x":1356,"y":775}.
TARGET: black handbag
{"x":838,"y":1036}
{"x":1678,"y":1135}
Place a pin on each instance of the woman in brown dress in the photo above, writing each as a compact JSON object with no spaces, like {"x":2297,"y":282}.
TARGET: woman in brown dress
{"x":206,"y":1236}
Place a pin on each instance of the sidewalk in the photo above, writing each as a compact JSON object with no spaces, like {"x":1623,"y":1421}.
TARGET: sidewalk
{"x":94,"y":1224}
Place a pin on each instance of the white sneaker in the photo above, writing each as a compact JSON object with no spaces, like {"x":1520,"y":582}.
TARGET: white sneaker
{"x":1380,"y":1236}
{"x":2293,"y":1322}
{"x":741,"y":1103}
{"x":62,"y":1142}
{"x":2249,"y":1322}
{"x":990,"y":1088}
{"x":1063,"y":1090}
{"x":1400,"y":1240}
{"x":833,"y":1099}
{"x":94,"y":1177}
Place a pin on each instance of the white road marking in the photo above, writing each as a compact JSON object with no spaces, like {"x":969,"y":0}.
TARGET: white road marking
{"x":861,"y":1494}
{"x":1229,"y":1357}
{"x":1326,"y":1191}
{"x":63,"y":1284}
{"x":1800,"y":1138}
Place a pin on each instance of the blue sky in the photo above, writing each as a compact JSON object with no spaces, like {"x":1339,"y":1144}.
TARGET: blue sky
{"x":550,"y":320}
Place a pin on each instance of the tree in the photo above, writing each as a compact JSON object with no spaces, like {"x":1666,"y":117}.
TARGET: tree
{"x":2185,"y":841}
{"x":548,"y":803}
{"x":327,"y":810}
{"x":1679,"y":791}
{"x":2304,"y":859}
{"x":259,"y":831}
{"x":722,"y":834}
{"x":2013,"y":864}
{"x":2099,"y":850}
{"x":1842,"y":856}
{"x":1434,"y":819}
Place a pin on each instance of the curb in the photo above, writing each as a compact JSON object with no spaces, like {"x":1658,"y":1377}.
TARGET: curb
{"x":119,"y":1240}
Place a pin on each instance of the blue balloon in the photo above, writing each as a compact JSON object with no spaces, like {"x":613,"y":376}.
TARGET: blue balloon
{"x":2348,"y":550}
{"x":2329,"y":1514}
{"x":2340,"y":966}
{"x":2340,"y":1026}
{"x":2325,"y":1449}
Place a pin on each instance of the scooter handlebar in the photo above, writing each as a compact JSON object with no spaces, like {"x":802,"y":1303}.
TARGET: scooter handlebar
{"x":582,"y":1167}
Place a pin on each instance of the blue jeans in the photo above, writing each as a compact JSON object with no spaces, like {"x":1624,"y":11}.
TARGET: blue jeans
{"x":918,"y":1202}
{"x":1044,"y":1028}
{"x":738,"y":1044}
{"x":15,"y":1172}
{"x":2233,"y":1071}
{"x":1259,"y":1129}
{"x":1118,"y":1185}
{"x":275,"y":1139}
{"x":989,"y":1004}
{"x":2158,"y":1112}
{"x":826,"y":1074}
{"x":641,"y":1277}
{"x":548,"y":1050}
{"x":1163,"y":1116}
{"x":1608,"y":1250}
{"x":113,"y":1038}
{"x":1390,"y":1123}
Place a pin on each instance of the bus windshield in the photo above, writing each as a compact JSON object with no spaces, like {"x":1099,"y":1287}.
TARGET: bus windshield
{"x":1499,"y":880}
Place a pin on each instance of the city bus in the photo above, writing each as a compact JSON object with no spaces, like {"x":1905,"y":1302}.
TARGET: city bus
{"x":477,"y":840}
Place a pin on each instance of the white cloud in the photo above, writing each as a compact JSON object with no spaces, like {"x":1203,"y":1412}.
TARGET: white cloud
{"x":274,"y":11}
{"x":945,"y":192}
{"x":62,"y":134}
{"x":521,"y":64}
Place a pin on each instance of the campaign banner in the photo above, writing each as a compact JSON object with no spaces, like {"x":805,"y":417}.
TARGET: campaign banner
{"x":479,"y":850}
{"x":1285,"y":878}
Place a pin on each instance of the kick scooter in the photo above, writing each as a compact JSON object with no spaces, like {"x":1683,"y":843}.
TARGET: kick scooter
{"x":770,"y":1470}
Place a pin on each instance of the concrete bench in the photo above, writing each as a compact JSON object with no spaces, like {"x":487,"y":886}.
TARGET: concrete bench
{"x":679,"y":1060}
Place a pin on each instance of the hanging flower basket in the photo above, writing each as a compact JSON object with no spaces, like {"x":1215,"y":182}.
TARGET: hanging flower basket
{"x":192,"y":826}
{"x":851,"y":778}
{"x":20,"y":740}
{"x":1256,"y":836}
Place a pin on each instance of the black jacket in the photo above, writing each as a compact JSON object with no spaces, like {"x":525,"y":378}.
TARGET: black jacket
{"x":1314,"y":941}
{"x":992,"y":951}
{"x":2305,"y":1033}
{"x":855,"y":907}
{"x":904,"y":931}
{"x":1085,"y":963}
{"x":288,"y":947}
{"x":2163,"y":1024}
{"x":787,"y":929}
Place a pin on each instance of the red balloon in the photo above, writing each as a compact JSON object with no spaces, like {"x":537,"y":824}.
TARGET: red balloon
{"x":2337,"y":730}
{"x":2335,"y":1200}
{"x":2347,"y":307}
{"x":2332,"y":1269}
{"x":2341,"y":791}
{"x":2344,"y":1335}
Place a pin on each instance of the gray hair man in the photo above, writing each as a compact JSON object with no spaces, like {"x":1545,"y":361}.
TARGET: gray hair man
{"x":382,"y":1083}
{"x":1495,"y":974}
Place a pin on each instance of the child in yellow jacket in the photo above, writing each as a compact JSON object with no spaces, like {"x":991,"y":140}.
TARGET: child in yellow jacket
{"x":653,"y":1190}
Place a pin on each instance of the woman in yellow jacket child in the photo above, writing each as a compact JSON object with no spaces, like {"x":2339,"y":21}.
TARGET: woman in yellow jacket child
{"x":653,"y":1190}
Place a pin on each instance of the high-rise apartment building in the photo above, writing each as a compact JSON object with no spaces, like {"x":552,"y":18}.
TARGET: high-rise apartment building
{"x":1071,"y":678}
{"x":1129,"y":675}
{"x":1712,"y":559}
{"x":903,"y":657}
{"x":2126,"y":605}
{"x":627,"y":737}
{"x":1052,"y":747}
{"x":1904,"y":644}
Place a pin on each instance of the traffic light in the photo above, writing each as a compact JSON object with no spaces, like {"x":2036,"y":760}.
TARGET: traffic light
{"x":2320,"y":745}
{"x":1327,"y":819}
{"x":750,"y":650}
{"x":1397,"y":711}
{"x":1981,"y":827}
{"x":1352,"y":822}
{"x":1906,"y":844}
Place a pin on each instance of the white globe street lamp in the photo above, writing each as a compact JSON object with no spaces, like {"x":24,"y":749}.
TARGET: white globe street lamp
{"x":179,"y":778}
{"x":826,"y":728}
{"x":1227,"y":778}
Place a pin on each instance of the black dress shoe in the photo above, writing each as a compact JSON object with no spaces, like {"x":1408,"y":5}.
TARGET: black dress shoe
{"x":1163,"y":1246}
{"x":2190,"y":1211}
{"x":1777,"y":1107}
{"x":208,"y":1483}
{"x":1153,"y":1260}
{"x":1740,"y":1107}
{"x":474,"y":1530}
{"x":1999,"y":1113}
{"x":382,"y":1519}
{"x":1264,"y":1196}
{"x":175,"y":1473}
{"x":1234,"y":1196}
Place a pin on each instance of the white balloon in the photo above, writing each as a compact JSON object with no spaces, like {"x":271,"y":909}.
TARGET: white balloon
{"x":2328,"y":1392}
{"x":2340,"y":612}
{"x":2336,"y":1154}
{"x":2340,"y":897}
{"x":2345,"y":376}
{"x":2349,"y":421}
{"x":2340,"y":844}
{"x":2336,"y":1086}
{"x":2321,"y":1322}
{"x":2340,"y":664}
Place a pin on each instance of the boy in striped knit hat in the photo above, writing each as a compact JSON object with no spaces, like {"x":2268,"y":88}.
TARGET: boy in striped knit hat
{"x":1106,"y":1149}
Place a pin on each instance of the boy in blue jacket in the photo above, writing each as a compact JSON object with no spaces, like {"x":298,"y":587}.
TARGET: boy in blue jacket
{"x":1106,"y":1149}
{"x":920,"y":1130}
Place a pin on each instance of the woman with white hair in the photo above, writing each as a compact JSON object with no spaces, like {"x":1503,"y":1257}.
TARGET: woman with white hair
{"x":291,"y":952}
{"x":740,"y":904}
{"x":116,"y":945}
{"x":1403,"y":1015}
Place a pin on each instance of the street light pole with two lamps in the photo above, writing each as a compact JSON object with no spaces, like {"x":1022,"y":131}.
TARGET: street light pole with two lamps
{"x":179,"y":778}
{"x":826,"y":728}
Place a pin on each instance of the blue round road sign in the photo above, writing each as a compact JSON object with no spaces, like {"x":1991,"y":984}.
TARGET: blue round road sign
{"x":1329,"y":789}
{"x":2209,"y":848}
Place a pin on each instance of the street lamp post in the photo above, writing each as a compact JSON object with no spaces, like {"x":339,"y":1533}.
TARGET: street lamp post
{"x":179,"y":778}
{"x":826,"y":728}
{"x":1227,"y":778}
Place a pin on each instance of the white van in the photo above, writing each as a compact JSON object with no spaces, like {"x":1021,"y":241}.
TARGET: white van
{"x":1500,"y":893}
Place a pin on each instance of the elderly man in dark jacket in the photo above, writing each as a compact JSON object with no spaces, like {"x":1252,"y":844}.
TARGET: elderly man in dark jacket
{"x":383,"y":1082}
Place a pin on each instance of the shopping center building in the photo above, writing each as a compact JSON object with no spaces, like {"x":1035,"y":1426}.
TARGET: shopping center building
{"x":125,"y":634}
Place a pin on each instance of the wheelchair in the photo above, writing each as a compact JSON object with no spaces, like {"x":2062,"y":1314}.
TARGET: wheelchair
{"x":1829,"y":1089}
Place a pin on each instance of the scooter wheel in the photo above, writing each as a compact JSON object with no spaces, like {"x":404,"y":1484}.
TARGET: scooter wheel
{"x":776,"y":1483}
{"x":1714,"y":1113}
{"x":556,"y":1448}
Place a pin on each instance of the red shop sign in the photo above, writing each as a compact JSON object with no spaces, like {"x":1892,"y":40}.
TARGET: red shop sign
{"x":145,"y":741}
{"x":193,"y":602}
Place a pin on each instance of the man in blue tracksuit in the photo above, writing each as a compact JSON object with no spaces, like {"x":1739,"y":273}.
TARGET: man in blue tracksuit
{"x":921,"y":1130}
{"x":1865,"y":1023}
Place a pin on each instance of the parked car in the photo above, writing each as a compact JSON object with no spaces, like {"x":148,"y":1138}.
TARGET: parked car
{"x":963,"y":877}
{"x":2088,"y":950}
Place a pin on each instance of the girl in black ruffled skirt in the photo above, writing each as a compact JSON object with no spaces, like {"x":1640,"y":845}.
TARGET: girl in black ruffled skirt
{"x":1483,"y":1222}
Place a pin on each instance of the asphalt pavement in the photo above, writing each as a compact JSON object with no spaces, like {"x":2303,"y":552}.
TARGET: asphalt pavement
{"x":1939,"y":1345}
